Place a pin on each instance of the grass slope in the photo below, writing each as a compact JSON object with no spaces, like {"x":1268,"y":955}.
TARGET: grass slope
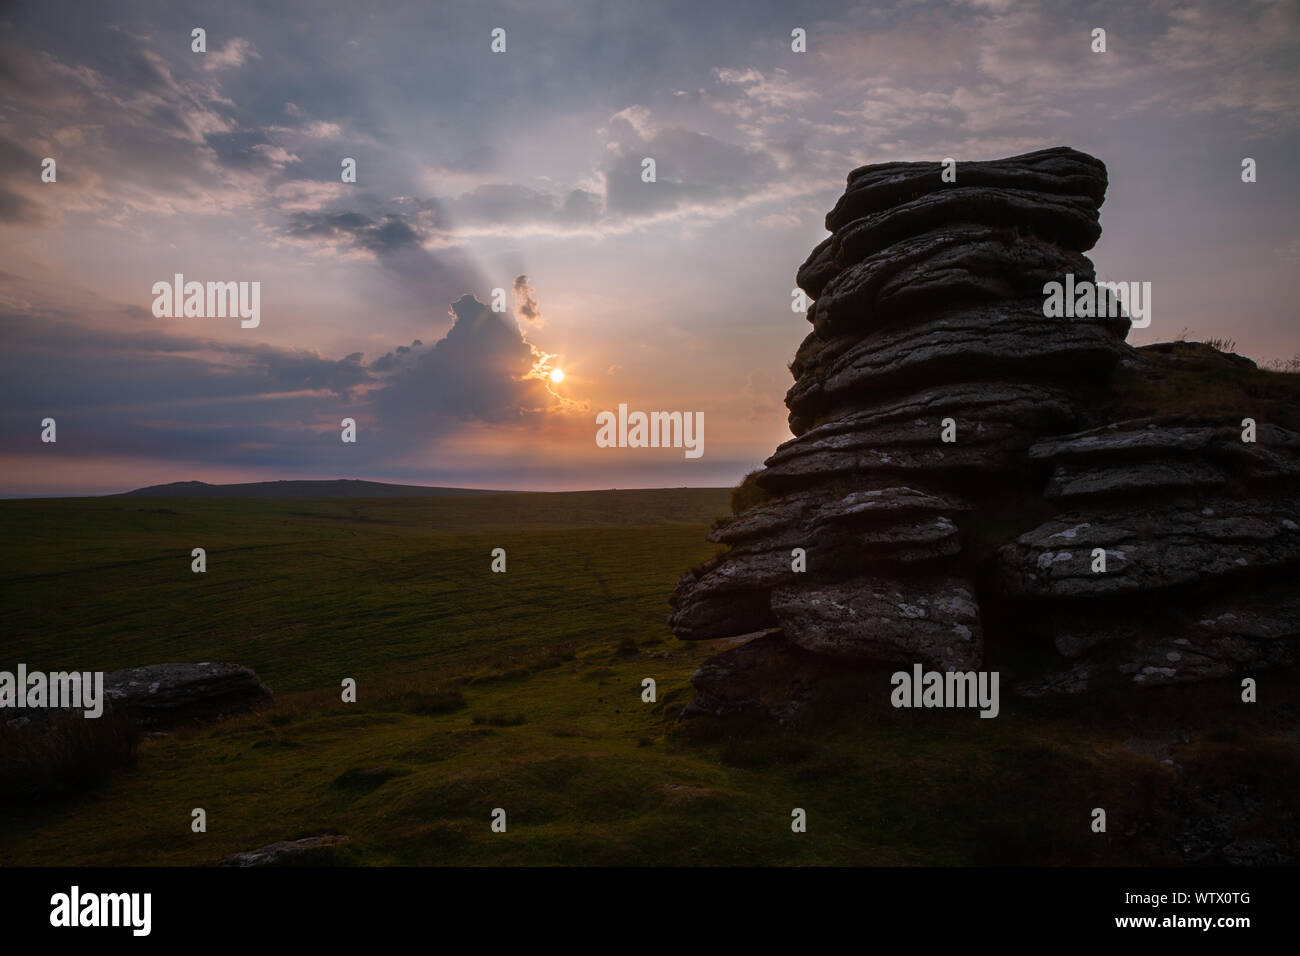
{"x":523,"y":691}
{"x":336,"y":488}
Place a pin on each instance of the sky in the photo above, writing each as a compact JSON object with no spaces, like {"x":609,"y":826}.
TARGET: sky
{"x":522,"y":171}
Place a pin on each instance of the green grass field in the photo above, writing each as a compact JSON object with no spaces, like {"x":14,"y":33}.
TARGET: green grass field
{"x":549,"y":659}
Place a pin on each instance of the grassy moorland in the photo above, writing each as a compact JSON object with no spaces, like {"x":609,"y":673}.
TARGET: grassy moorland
{"x":523,"y":691}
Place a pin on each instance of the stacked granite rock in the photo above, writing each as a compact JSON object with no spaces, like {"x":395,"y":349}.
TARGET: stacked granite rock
{"x":1198,"y":526}
{"x":927,"y":305}
{"x":1171,"y":546}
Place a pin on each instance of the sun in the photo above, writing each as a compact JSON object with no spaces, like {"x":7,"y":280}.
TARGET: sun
{"x":557,"y":375}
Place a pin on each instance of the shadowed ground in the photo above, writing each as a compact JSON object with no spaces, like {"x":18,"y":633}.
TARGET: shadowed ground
{"x":523,"y":691}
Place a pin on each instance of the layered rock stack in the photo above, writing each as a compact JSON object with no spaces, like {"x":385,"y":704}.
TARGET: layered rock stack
{"x":926,"y":395}
{"x":1173,"y":557}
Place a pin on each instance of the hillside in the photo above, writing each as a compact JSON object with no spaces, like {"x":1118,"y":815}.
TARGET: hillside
{"x":523,"y":690}
{"x":337,"y":488}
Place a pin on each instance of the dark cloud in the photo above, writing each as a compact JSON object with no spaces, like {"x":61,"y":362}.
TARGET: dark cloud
{"x":478,"y":372}
{"x":188,"y":398}
{"x":527,"y":301}
{"x":391,"y":234}
{"x":18,"y":210}
{"x":24,"y":169}
{"x":159,"y":395}
{"x":60,"y":366}
{"x":393,"y":360}
{"x":384,"y":236}
{"x":397,"y":242}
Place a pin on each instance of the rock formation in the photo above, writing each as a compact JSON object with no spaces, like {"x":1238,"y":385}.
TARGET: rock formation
{"x":163,"y":695}
{"x":1200,"y":534}
{"x":308,"y":851}
{"x":952,"y":464}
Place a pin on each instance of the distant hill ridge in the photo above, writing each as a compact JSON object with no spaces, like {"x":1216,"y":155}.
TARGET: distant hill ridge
{"x":337,"y":488}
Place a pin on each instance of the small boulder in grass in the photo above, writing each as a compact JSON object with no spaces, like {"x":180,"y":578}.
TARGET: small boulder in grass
{"x":309,"y":851}
{"x":160,"y":696}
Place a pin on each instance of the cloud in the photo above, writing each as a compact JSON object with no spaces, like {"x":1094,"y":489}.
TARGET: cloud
{"x":144,"y":392}
{"x":694,"y":172}
{"x":129,"y":137}
{"x":18,"y":210}
{"x":320,"y":129}
{"x":388,"y":234}
{"x":774,"y":92}
{"x":236,"y":52}
{"x":505,"y":208}
{"x":229,"y":162}
{"x":698,"y":176}
{"x":637,"y":117}
{"x":527,"y":301}
{"x":308,"y":195}
{"x":411,"y":252}
{"x":275,"y":156}
{"x":480,"y":371}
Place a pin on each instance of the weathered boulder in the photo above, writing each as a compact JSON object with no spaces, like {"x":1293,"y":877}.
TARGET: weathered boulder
{"x":760,"y":673}
{"x":953,"y":267}
{"x":1114,"y":440}
{"x":1139,"y":477}
{"x":933,"y":620}
{"x":702,"y":614}
{"x":796,"y":519}
{"x":163,"y":695}
{"x":1010,"y":341}
{"x":1049,"y":172}
{"x":840,"y":531}
{"x":1217,"y":446}
{"x":1152,"y":545}
{"x":818,"y":269}
{"x":998,"y":422}
{"x":1158,"y":643}
{"x":304,"y":852}
{"x":1196,"y":526}
{"x":877,"y":504}
{"x":1060,"y":222}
